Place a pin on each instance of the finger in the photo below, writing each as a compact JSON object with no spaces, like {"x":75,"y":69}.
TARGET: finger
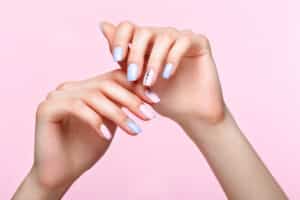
{"x":108,"y":31}
{"x":121,"y":40}
{"x":57,"y":110}
{"x":200,"y":46}
{"x":177,"y":52}
{"x":111,"y":111}
{"x":157,"y":57}
{"x":127,"y":99}
{"x":139,"y":46}
{"x":137,"y":88}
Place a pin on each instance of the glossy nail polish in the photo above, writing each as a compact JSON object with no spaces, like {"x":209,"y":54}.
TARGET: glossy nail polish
{"x":167,"y":71}
{"x":133,"y":126}
{"x":132,"y":72}
{"x":148,"y":78}
{"x":147,"y":111}
{"x":105,"y":132}
{"x":117,"y":54}
{"x":152,"y":96}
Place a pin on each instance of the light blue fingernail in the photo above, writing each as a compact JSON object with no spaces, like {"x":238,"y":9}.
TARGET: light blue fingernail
{"x":167,"y":71}
{"x":132,"y":72}
{"x":117,"y":54}
{"x":133,"y":126}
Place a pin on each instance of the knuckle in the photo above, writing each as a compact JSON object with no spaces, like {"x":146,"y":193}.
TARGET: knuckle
{"x":166,"y":36}
{"x":171,"y":30}
{"x":143,"y":31}
{"x":204,"y":39}
{"x":186,"y":39}
{"x":43,"y":109}
{"x":126,"y":24}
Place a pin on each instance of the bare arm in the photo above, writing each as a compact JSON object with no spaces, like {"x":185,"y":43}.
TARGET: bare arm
{"x":234,"y":162}
{"x":32,"y":189}
{"x":182,"y":71}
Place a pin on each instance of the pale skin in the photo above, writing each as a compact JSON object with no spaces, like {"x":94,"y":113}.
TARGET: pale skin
{"x":190,"y":94}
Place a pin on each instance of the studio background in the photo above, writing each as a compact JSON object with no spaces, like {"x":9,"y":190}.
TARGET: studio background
{"x":43,"y":43}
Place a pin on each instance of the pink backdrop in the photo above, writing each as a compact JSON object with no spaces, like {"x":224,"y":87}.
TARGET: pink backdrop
{"x":43,"y":43}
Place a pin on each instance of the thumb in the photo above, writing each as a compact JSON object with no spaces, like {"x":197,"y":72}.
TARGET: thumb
{"x":108,"y":31}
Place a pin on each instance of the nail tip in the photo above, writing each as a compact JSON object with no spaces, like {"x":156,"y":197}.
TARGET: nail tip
{"x":132,"y":72}
{"x":152,"y":96}
{"x":167,"y":71}
{"x":117,"y":54}
{"x":134,"y":127}
{"x":147,"y":111}
{"x":165,"y":76}
{"x":105,"y":132}
{"x":148,"y":78}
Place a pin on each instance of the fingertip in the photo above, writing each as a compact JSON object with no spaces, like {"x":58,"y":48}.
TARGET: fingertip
{"x":107,"y":29}
{"x":134,"y":128}
{"x":105,"y":133}
{"x":167,"y":71}
{"x":152,"y":96}
{"x":118,"y":53}
{"x":132,"y":72}
{"x":148,"y":78}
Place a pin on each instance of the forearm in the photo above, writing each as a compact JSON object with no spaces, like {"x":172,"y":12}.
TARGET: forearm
{"x":237,"y":167}
{"x":33,"y":190}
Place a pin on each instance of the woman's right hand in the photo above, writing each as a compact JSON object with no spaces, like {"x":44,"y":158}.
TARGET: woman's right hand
{"x":76,"y":122}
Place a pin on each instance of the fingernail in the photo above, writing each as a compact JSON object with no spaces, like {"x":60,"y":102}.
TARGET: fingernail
{"x":133,"y":126}
{"x":167,"y":71}
{"x":148,"y":78}
{"x":105,"y":132}
{"x":117,"y":54}
{"x":152,"y":96}
{"x":132,"y":72}
{"x":147,"y":111}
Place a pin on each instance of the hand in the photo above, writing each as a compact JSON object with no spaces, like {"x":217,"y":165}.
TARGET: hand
{"x":178,"y":65}
{"x":77,"y":121}
{"x":192,"y":96}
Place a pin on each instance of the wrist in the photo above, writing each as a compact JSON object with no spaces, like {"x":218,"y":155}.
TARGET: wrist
{"x":33,"y":188}
{"x":200,"y":130}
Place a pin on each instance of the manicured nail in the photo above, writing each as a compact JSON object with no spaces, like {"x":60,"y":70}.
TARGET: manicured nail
{"x":117,"y":54}
{"x":132,"y":72}
{"x":152,"y":96}
{"x":148,"y":78}
{"x":105,"y":132}
{"x":133,"y":126}
{"x":147,"y":111}
{"x":167,"y":71}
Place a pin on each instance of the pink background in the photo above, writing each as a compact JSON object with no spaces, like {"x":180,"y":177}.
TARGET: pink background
{"x":43,"y":43}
